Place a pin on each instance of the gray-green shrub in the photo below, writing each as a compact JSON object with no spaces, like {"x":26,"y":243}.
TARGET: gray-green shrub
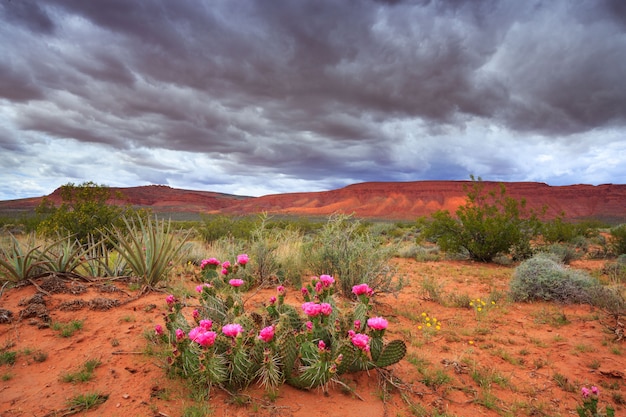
{"x":348,"y":252}
{"x":543,"y":278}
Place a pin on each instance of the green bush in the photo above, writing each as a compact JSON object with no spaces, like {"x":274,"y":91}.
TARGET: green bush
{"x":544,"y":278}
{"x":347,"y":251}
{"x":618,"y":239}
{"x":488,"y":224}
{"x":565,"y":253}
{"x":84,"y":212}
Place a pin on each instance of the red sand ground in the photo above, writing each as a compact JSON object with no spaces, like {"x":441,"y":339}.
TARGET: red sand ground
{"x":532,"y":359}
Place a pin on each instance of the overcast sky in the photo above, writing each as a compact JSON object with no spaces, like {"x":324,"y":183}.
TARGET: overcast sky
{"x":274,"y":96}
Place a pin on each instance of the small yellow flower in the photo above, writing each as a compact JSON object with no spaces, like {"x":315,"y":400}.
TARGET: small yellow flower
{"x":438,"y":328}
{"x":427,"y":318}
{"x":419,"y":327}
{"x":493,"y":303}
{"x":423,"y":314}
{"x":479,"y":309}
{"x":471,"y":303}
{"x":428,"y":324}
{"x":482,"y":302}
{"x":471,"y":342}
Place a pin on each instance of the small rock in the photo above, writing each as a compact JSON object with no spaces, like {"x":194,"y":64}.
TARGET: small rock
{"x":125,"y":396}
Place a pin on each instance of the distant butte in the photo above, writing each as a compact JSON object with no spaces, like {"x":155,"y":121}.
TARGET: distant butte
{"x":372,"y":200}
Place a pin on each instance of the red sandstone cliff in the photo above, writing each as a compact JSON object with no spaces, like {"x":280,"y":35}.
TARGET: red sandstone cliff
{"x":385,"y":200}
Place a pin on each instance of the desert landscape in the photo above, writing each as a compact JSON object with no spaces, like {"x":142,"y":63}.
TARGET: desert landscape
{"x":71,"y":344}
{"x":514,"y":359}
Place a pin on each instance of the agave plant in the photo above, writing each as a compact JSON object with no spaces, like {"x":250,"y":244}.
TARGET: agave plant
{"x":65,"y":255}
{"x":149,"y":248}
{"x":21,"y":261}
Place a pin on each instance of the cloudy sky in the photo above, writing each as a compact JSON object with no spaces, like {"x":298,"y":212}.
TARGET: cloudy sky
{"x":257,"y":97}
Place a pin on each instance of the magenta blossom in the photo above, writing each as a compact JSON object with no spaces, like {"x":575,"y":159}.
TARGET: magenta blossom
{"x":309,"y":325}
{"x":211,"y":261}
{"x":311,"y":309}
{"x":158,"y":329}
{"x":327,"y":280}
{"x":595,"y":390}
{"x":202,"y":336}
{"x":280,"y":289}
{"x":321,"y":345}
{"x":362,"y":289}
{"x":361,"y":341}
{"x":170,"y":299}
{"x":326,"y":309}
{"x":201,"y":287}
{"x":377,"y":323}
{"x":195,"y":313}
{"x":272,"y":300}
{"x":585,"y":392}
{"x":236,"y":282}
{"x":267,"y":334}
{"x":232,"y":330}
{"x":206,"y":324}
{"x":304,"y":291}
{"x":179,"y":335}
{"x":357,"y":324}
{"x":242,"y":259}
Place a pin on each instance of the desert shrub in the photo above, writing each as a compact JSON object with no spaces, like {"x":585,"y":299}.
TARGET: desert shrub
{"x":544,"y":278}
{"x":84,"y":212}
{"x":216,"y":227}
{"x":488,"y":224}
{"x":618,"y":239}
{"x":347,"y":251}
{"x":610,"y":299}
{"x":565,"y":253}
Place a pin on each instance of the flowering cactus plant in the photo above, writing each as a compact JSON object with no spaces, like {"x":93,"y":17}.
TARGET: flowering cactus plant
{"x":305,"y":346}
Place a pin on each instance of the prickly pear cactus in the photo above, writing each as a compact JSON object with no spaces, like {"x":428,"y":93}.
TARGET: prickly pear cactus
{"x":391,"y":353}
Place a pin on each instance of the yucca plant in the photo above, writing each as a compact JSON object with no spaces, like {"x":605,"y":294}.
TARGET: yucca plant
{"x":65,"y":255}
{"x":21,"y":261}
{"x":102,"y":261}
{"x":149,"y":248}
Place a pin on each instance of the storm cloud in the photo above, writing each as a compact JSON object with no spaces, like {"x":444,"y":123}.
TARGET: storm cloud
{"x":254,"y":97}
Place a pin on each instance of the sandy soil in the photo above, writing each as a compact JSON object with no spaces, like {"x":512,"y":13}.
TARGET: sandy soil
{"x":513,"y":359}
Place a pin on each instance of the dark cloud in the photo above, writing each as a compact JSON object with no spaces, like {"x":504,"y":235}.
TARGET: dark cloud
{"x":325,"y":92}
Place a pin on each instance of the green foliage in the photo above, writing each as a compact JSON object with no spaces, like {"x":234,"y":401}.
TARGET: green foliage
{"x":149,"y":248}
{"x":65,"y":255}
{"x":21,"y":261}
{"x":544,"y":278}
{"x":558,"y":230}
{"x":84,"y":402}
{"x":83,"y":212}
{"x":488,"y":224}
{"x":220,"y":226}
{"x":618,"y":239}
{"x":8,"y":357}
{"x":345,"y":249}
{"x":85,"y":374}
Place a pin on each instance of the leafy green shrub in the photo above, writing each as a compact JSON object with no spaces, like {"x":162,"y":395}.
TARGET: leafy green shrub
{"x":344,"y":249}
{"x":276,"y":345}
{"x":488,"y":224}
{"x":220,"y":226}
{"x":84,"y":212}
{"x":544,"y":278}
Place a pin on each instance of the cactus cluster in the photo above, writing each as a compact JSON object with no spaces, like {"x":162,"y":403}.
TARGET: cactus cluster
{"x":304,"y":347}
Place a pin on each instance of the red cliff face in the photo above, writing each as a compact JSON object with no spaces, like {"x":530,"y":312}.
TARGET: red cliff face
{"x":390,"y":200}
{"x":409,"y":200}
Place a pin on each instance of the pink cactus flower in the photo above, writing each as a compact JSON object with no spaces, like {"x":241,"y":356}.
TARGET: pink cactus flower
{"x":357,"y":324}
{"x":585,"y":392}
{"x":180,"y":335}
{"x":321,"y":345}
{"x":236,"y":282}
{"x":361,"y":341}
{"x":280,"y":289}
{"x":311,"y":309}
{"x":326,"y":309}
{"x":309,"y":325}
{"x":272,"y":300}
{"x":362,"y":289}
{"x":377,"y":323}
{"x":267,"y":334}
{"x":327,"y":280}
{"x":304,"y":291}
{"x":195,"y":313}
{"x":232,"y":330}
{"x":158,"y":329}
{"x":170,"y":299}
{"x":595,"y":390}
{"x":206,"y":324}
{"x":243,"y":259}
